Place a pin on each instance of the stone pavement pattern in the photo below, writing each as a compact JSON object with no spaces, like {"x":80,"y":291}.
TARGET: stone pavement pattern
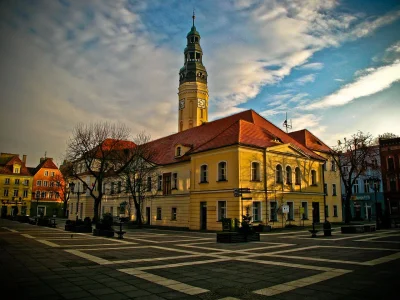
{"x":39,"y":262}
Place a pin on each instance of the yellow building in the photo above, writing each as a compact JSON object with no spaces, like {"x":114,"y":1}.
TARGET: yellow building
{"x":15,"y":185}
{"x":332,"y":186}
{"x":199,"y":168}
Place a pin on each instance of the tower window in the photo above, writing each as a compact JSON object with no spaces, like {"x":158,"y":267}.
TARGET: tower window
{"x":196,"y":39}
{"x":191,"y":54}
{"x":197,"y":55}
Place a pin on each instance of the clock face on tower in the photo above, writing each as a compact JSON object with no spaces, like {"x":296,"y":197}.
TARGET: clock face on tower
{"x":182,"y":104}
{"x":201,"y":103}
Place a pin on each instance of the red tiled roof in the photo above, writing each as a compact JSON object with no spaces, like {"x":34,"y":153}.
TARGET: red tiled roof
{"x":309,"y":140}
{"x":6,"y":165}
{"x":245,"y":128}
{"x":113,"y":145}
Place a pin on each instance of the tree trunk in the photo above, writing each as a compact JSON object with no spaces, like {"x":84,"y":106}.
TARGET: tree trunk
{"x":347,"y":210}
{"x":138,"y":214}
{"x":96,"y":209}
{"x":65,"y":208}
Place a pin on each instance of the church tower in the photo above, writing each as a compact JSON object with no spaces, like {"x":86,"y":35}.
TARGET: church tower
{"x":193,"y":90}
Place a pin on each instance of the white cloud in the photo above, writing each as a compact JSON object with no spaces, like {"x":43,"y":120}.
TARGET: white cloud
{"x":339,"y":79}
{"x":375,"y":81}
{"x":312,"y":66}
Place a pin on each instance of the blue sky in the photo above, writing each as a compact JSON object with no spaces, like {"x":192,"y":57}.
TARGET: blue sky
{"x":333,"y":66}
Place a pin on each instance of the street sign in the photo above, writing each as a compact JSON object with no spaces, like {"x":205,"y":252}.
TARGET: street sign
{"x":244,"y":190}
{"x":247,"y":198}
{"x":237,"y":194}
{"x":285,"y":209}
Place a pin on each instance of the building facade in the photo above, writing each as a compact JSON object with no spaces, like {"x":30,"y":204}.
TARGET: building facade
{"x":199,"y":168}
{"x":15,"y":185}
{"x":389,"y":150}
{"x":48,"y":189}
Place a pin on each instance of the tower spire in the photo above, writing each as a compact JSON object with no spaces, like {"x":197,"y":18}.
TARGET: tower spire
{"x":193,"y":17}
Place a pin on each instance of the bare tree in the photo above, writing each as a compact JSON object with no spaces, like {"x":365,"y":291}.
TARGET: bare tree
{"x":354,"y":157}
{"x":91,"y":151}
{"x":384,"y":136}
{"x":138,"y":174}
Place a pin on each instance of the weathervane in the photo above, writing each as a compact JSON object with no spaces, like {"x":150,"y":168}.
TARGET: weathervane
{"x":286,"y":124}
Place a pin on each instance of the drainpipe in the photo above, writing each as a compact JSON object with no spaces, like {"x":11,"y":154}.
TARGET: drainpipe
{"x":266,"y":186}
{"x":323,"y":182}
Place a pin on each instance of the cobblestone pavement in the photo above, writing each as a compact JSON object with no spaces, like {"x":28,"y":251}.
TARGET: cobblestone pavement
{"x":40,"y":262}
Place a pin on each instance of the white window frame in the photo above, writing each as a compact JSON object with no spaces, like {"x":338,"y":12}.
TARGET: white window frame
{"x":356,"y":187}
{"x":259,"y":215}
{"x":46,"y":173}
{"x":159,"y":183}
{"x":174,"y":180}
{"x":206,"y":173}
{"x":45,"y":183}
{"x":26,"y":182}
{"x":219,"y":215}
{"x":5,"y":193}
{"x":174,"y":214}
{"x":25,"y":193}
{"x":219,"y":177}
{"x":257,"y":174}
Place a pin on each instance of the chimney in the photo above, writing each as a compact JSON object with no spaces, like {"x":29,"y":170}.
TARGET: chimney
{"x":24,"y":159}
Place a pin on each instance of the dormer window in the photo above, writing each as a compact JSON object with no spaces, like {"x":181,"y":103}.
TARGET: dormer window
{"x":178,"y":151}
{"x":16,"y":170}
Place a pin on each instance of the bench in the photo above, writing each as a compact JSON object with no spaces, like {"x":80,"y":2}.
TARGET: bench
{"x":52,"y":223}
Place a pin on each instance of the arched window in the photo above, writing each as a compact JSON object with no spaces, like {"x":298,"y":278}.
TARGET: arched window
{"x":255,"y":171}
{"x":297,"y":176}
{"x":203,"y":173}
{"x":313,"y":177}
{"x":288,"y":175}
{"x":222,"y":171}
{"x":278,"y":176}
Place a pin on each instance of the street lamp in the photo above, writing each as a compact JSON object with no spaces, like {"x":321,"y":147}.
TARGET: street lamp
{"x":374,"y":183}
{"x":72,"y":189}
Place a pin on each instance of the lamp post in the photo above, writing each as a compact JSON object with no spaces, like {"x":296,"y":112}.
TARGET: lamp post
{"x":72,"y":189}
{"x":374,"y":183}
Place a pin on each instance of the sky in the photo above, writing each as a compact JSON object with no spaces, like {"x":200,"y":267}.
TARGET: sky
{"x":332,"y":66}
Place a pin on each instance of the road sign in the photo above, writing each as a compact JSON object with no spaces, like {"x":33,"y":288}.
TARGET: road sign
{"x":285,"y":209}
{"x":247,"y":198}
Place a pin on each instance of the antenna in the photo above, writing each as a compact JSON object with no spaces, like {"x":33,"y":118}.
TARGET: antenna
{"x":45,"y":153}
{"x":286,"y":124}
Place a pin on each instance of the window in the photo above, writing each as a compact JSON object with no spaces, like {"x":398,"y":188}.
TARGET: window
{"x":313,"y":177}
{"x":203,"y":173}
{"x":326,"y":211}
{"x":333,"y":189}
{"x":273,"y":214}
{"x":72,"y":208}
{"x":50,"y":195}
{"x":5,"y":194}
{"x":278,"y":175}
{"x":256,"y":211}
{"x":112,"y":190}
{"x":149,"y":184}
{"x":46,"y":173}
{"x":221,"y":210}
{"x":45,"y":183}
{"x":175,"y":181}
{"x":15,"y":193}
{"x":37,"y":194}
{"x":51,"y":183}
{"x":325,"y":168}
{"x":255,"y":171}
{"x":297,"y":176}
{"x":366,"y":186}
{"x":390,"y":164}
{"x":178,"y":151}
{"x":26,"y":182}
{"x":7,"y":181}
{"x":25,"y":194}
{"x":288,"y":175}
{"x":44,"y":194}
{"x":57,"y":195}
{"x":304,"y":205}
{"x":158,"y":213}
{"x":326,"y":189}
{"x":222,"y":171}
{"x":166,"y":183}
{"x":52,"y":174}
{"x":392,"y":184}
{"x":291,"y":211}
{"x":16,"y":170}
{"x":355,"y":187}
{"x":119,"y":187}
{"x":335,"y":211}
{"x":159,"y":187}
{"x":173,"y":214}
{"x":345,"y":170}
{"x":333,"y":166}
{"x":16,"y":181}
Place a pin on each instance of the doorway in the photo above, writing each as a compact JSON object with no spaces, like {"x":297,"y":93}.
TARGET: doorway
{"x":148,"y":215}
{"x":315,"y":206}
{"x":203,"y":215}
